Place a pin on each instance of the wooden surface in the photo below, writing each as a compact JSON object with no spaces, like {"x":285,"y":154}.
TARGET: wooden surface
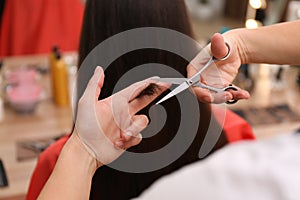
{"x":48,"y":120}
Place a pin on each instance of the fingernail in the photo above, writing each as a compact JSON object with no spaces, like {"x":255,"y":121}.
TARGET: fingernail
{"x":128,"y":134}
{"x":119,"y":144}
{"x":139,"y":136}
{"x":96,"y":69}
{"x":207,"y":99}
{"x":246,"y":94}
{"x":153,"y":78}
{"x":97,"y":72}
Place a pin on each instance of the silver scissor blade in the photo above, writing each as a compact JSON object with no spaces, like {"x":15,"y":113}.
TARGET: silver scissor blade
{"x":174,"y":92}
{"x":196,"y":77}
{"x":176,"y":81}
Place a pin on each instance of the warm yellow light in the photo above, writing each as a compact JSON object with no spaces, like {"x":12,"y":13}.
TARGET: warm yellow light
{"x":252,"y":24}
{"x":256,"y":4}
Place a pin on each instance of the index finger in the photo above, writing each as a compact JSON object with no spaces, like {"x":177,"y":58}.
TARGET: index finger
{"x":135,"y":89}
{"x":147,"y":96}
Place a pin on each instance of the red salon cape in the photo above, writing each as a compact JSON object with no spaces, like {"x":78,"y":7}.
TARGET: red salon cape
{"x":34,"y":26}
{"x":235,"y":127}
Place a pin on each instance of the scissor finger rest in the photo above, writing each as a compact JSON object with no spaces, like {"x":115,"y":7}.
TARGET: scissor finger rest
{"x":230,"y":87}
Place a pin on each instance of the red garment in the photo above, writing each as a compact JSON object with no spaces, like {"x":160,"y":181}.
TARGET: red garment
{"x":44,"y":167}
{"x":34,"y":26}
{"x":235,"y":127}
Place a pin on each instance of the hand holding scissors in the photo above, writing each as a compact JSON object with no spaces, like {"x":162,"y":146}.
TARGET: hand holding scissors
{"x":194,"y":81}
{"x":229,"y":94}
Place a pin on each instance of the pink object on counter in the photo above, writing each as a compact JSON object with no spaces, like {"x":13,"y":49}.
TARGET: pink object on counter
{"x":23,"y":92}
{"x":21,"y":76}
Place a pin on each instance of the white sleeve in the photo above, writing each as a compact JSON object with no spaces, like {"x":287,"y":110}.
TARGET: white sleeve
{"x":247,"y":170}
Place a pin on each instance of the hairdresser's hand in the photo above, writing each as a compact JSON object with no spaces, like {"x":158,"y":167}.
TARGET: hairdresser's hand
{"x":108,"y":127}
{"x":222,"y":73}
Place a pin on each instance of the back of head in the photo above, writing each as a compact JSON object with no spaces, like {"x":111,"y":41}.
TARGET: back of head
{"x":106,"y":18}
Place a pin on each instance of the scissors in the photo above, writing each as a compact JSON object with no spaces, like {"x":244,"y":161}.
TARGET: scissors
{"x":194,"y":81}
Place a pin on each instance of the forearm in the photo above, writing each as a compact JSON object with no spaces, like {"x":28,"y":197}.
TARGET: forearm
{"x":276,"y":44}
{"x":72,"y":175}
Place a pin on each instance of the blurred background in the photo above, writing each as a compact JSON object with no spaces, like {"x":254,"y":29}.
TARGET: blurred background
{"x":38,"y":51}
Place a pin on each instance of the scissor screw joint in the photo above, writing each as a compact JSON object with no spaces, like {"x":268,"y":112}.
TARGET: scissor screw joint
{"x":190,"y":82}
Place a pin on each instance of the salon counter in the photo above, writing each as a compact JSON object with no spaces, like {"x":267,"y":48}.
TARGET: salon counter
{"x":47,"y":121}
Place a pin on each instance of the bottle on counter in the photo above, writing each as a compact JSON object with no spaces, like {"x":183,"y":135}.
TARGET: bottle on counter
{"x":59,"y":78}
{"x":1,"y":100}
{"x":52,"y":56}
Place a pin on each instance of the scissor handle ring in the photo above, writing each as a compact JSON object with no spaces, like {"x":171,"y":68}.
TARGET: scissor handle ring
{"x":232,"y":101}
{"x":227,"y":55}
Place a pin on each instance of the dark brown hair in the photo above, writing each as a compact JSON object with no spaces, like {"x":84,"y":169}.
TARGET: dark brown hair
{"x":105,"y":18}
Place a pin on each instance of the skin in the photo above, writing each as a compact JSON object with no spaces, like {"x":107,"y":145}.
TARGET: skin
{"x":276,"y":44}
{"x":112,"y":128}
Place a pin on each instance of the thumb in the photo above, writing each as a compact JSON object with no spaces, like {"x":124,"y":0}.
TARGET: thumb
{"x":95,"y":84}
{"x":218,"y":47}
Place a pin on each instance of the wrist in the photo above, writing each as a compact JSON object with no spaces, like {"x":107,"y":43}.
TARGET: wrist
{"x":75,"y":150}
{"x":73,"y":173}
